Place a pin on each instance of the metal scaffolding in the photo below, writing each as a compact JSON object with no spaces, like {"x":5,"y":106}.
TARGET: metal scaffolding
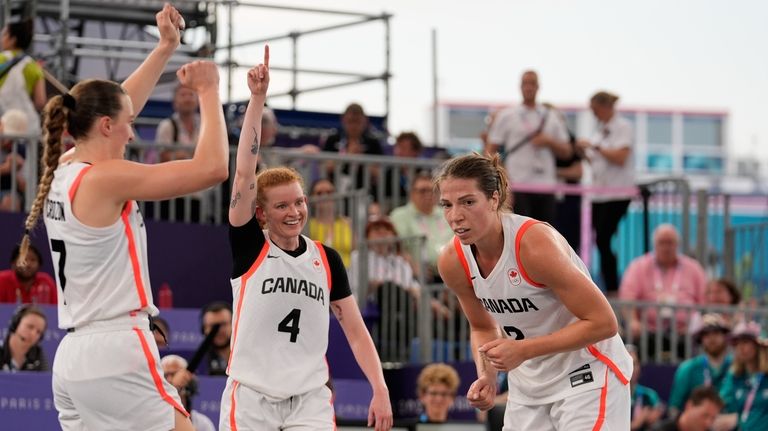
{"x":119,"y":39}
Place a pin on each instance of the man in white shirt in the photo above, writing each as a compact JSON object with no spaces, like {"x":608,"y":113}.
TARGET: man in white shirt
{"x":529,"y":138}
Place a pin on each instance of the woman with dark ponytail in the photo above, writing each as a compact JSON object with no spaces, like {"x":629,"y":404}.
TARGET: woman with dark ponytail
{"x":106,"y":372}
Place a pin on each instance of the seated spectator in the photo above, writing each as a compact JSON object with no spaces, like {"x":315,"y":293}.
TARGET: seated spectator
{"x":646,"y":406}
{"x":397,"y":180}
{"x":667,"y":277}
{"x":175,"y":371}
{"x":355,"y":137}
{"x":723,"y":292}
{"x":386,"y":264}
{"x":269,"y":129}
{"x":22,"y":85}
{"x":27,"y":284}
{"x":745,"y":389}
{"x":422,"y":217}
{"x":21,"y":349}
{"x":707,"y":369}
{"x":218,"y":313}
{"x":437,"y":386}
{"x":700,"y":412}
{"x":13,"y":122}
{"x":327,"y":224}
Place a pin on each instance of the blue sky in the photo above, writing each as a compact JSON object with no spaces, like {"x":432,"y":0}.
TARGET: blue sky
{"x":696,"y":55}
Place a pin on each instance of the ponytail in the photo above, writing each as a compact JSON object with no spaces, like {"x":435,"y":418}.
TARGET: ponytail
{"x":54,"y":122}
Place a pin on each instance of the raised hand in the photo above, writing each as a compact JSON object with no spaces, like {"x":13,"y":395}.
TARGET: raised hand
{"x":199,"y":76}
{"x":258,"y":76}
{"x":170,"y":23}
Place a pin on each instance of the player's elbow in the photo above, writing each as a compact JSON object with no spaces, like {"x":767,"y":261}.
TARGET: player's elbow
{"x":217,"y":174}
{"x":607,"y":327}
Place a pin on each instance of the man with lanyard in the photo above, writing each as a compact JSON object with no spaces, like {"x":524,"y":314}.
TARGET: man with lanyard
{"x":707,"y":369}
{"x":530,"y":137}
{"x":745,"y":388}
{"x":664,"y":276}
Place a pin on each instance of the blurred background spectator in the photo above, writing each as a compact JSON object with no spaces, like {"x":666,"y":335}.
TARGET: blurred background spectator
{"x":22,"y":81}
{"x":700,"y":412}
{"x":326,"y":224}
{"x":175,"y":371}
{"x":21,"y":349}
{"x":707,"y":369}
{"x":610,"y":153}
{"x":437,"y":386}
{"x":217,"y":313}
{"x":27,"y":284}
{"x":12,"y":164}
{"x":646,"y":405}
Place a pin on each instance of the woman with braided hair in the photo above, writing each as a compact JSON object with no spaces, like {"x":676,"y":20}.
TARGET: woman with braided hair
{"x":106,"y":373}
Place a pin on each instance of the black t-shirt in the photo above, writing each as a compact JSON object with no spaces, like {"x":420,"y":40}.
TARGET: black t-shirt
{"x":247,"y":241}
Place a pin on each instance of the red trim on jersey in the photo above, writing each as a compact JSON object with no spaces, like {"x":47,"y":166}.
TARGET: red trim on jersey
{"x":155,"y":375}
{"x":607,"y":361}
{"x":601,"y":412}
{"x":134,"y":256}
{"x":462,"y":258}
{"x":243,"y":282}
{"x":518,"y":241}
{"x":233,"y":404}
{"x":325,"y":263}
{"x":76,"y":183}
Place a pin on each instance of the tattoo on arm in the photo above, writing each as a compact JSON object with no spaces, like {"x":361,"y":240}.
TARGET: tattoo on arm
{"x":256,"y":144}
{"x":234,"y":200}
{"x":252,"y":186}
{"x":337,"y":311}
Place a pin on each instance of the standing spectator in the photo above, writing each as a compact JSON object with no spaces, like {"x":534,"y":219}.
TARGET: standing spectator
{"x":421,"y":216}
{"x":327,"y":225}
{"x":700,"y":412}
{"x":667,"y":277}
{"x":355,"y":137}
{"x":745,"y":389}
{"x":26,"y":284}
{"x":21,"y":349}
{"x":530,"y":136}
{"x":175,"y":371}
{"x":22,"y":81}
{"x":218,"y":313}
{"x":437,"y":386}
{"x":182,"y":130}
{"x":407,"y":146}
{"x":610,"y":153}
{"x":12,"y":164}
{"x":646,"y":406}
{"x":707,"y":369}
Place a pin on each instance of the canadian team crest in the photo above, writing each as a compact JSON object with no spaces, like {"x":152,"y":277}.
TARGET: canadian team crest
{"x":316,"y":264}
{"x":514,"y":276}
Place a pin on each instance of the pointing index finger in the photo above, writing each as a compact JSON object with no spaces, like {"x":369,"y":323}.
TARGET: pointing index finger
{"x":266,"y":55}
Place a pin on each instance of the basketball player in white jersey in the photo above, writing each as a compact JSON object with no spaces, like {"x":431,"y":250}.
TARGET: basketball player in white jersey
{"x":283,"y":284}
{"x":106,"y":374}
{"x":532,"y":308}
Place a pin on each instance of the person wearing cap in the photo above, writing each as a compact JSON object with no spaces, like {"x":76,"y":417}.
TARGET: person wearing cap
{"x":707,"y":369}
{"x":745,"y":388}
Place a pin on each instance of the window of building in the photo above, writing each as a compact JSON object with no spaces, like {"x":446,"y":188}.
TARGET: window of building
{"x":703,"y":164}
{"x":659,"y":162}
{"x":702,"y":130}
{"x":659,"y":129}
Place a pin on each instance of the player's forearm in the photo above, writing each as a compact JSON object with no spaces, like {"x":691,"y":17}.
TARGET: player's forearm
{"x":360,"y":342}
{"x":250,"y":138}
{"x":140,"y":84}
{"x":577,"y":335}
{"x":477,"y":338}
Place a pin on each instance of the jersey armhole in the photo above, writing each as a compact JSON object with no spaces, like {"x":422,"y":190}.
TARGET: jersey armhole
{"x":324,"y":258}
{"x":518,"y":242}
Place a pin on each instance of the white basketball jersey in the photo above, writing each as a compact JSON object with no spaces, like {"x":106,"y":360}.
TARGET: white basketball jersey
{"x":101,"y":272}
{"x":526,"y":309}
{"x":280,"y":322}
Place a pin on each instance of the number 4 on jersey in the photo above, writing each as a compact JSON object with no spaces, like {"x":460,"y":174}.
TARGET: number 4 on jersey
{"x":290,"y":324}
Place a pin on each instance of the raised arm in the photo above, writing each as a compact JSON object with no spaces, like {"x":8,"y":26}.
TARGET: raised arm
{"x":243,"y":203}
{"x":142,"y":81}
{"x":483,"y":328}
{"x":121,"y":180}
